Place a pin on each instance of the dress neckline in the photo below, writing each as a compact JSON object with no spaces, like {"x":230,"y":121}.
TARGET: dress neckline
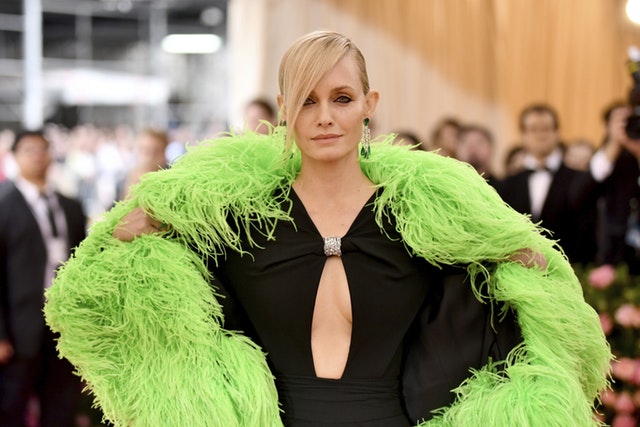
{"x":296,"y":201}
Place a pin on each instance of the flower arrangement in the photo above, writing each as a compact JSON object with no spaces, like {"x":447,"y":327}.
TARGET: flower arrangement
{"x":615,"y":295}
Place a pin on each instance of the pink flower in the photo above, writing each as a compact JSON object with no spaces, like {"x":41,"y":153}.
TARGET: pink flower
{"x":606,"y":322}
{"x":624,"y":405}
{"x":602,"y":277}
{"x":83,"y":421}
{"x":628,"y":316}
{"x":609,"y":398}
{"x":624,"y":420}
{"x":624,"y":369}
{"x":636,"y":398}
{"x":636,"y":373}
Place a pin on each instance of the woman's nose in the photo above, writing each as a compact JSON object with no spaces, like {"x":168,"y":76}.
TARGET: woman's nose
{"x":325,"y":117}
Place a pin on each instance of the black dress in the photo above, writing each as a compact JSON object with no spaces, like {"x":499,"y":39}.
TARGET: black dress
{"x":276,"y":284}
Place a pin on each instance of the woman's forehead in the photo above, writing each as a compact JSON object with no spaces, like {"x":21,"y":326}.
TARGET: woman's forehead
{"x":344,"y":75}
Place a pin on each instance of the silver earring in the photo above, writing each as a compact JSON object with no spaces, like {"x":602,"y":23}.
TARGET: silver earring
{"x":365,"y":150}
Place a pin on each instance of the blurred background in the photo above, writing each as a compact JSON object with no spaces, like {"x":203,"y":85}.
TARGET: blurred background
{"x":117,"y":84}
{"x":102,"y":61}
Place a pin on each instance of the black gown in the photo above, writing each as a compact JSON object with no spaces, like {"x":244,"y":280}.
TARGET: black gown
{"x":276,"y":284}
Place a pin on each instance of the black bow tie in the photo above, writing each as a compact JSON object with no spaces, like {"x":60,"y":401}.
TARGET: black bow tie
{"x":541,"y":168}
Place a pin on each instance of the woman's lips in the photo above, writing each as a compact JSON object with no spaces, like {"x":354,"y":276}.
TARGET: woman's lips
{"x":325,"y":137}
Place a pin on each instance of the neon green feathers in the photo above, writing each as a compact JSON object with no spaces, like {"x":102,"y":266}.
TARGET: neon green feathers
{"x":142,"y":325}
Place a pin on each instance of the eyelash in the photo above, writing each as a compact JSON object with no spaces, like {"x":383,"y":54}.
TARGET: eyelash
{"x":343,"y":99}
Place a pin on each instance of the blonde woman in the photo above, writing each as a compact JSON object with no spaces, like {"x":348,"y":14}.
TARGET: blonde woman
{"x":326,"y":252}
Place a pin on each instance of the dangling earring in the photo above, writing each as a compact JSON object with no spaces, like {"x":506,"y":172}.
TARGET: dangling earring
{"x":365,"y":150}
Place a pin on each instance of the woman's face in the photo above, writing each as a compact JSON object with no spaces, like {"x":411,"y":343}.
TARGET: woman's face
{"x":329,"y":125}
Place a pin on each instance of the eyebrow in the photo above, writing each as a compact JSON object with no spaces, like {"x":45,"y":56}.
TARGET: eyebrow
{"x":341,"y":88}
{"x":337,"y":89}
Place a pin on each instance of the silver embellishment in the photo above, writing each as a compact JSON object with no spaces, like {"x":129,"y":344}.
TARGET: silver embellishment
{"x":332,"y":246}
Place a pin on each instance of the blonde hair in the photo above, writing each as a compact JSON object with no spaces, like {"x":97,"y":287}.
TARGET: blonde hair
{"x":304,"y":64}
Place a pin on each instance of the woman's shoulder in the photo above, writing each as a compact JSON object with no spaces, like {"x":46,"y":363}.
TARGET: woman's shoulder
{"x":229,"y":165}
{"x":235,"y":149}
{"x":399,"y":167}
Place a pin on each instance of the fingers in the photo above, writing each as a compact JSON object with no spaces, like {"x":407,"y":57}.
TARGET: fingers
{"x":136,"y":223}
{"x":530,"y":259}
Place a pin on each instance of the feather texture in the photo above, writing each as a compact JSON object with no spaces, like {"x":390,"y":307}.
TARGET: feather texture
{"x":143,"y":327}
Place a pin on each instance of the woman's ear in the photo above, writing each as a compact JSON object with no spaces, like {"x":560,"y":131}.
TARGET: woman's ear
{"x":282,"y":114}
{"x":371,"y":102}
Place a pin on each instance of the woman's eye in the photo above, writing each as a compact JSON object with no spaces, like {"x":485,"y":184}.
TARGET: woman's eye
{"x":308,"y":101}
{"x":343,"y":99}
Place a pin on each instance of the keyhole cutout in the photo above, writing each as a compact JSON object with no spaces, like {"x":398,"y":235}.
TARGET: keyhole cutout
{"x":332,"y":321}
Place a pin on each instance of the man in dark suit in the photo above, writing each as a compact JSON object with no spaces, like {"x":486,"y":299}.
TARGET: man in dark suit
{"x":616,"y":166}
{"x":38,"y":228}
{"x":562,"y":199}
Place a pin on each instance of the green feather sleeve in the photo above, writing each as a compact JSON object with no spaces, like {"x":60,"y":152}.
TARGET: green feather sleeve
{"x":142,"y":325}
{"x":447,"y":214}
{"x":139,"y":319}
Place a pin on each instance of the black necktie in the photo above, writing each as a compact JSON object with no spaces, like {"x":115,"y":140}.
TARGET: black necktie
{"x":52,"y":220}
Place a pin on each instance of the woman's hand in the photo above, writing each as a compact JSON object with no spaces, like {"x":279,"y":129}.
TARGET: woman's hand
{"x":529,"y":259}
{"x":136,"y":223}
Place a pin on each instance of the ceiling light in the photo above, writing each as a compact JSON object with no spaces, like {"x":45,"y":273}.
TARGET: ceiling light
{"x":633,"y":11}
{"x":191,"y":43}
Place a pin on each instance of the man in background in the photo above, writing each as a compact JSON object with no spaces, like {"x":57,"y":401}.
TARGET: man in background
{"x":150,"y":156}
{"x":476,"y":147}
{"x":560,"y":198}
{"x":444,"y":137}
{"x":38,"y":229}
{"x":256,"y":112}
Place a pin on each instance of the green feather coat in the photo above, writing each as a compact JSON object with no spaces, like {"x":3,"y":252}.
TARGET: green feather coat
{"x":141,"y":323}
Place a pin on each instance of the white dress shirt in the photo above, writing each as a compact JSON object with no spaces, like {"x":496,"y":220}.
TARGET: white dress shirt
{"x":540,"y":179}
{"x":57,"y":246}
{"x":600,"y":166}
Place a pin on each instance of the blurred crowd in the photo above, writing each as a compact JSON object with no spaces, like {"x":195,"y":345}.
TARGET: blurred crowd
{"x":96,"y":165}
{"x":570,"y":191}
{"x":584,"y":193}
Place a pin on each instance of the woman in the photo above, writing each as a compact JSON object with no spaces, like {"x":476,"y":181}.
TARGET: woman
{"x":325,"y":254}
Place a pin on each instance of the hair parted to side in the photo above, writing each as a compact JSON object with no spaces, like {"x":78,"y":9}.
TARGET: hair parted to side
{"x":304,"y":64}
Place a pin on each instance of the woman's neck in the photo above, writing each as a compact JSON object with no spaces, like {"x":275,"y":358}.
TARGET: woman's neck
{"x":331,"y":180}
